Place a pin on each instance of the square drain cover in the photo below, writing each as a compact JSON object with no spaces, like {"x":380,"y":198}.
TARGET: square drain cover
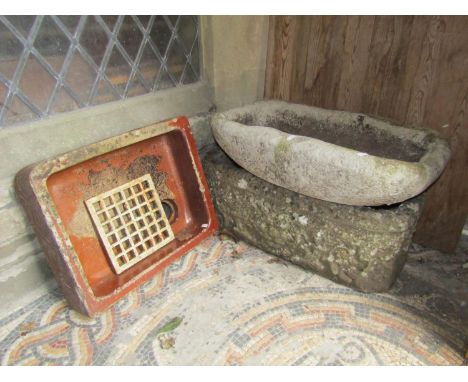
{"x":131,"y":222}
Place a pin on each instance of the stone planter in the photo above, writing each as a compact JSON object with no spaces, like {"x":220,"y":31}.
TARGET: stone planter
{"x":362,"y":247}
{"x":332,"y":155}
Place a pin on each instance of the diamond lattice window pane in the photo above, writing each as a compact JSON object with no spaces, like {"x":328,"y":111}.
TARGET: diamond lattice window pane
{"x":37,"y":83}
{"x":173,"y":19}
{"x":176,"y":60}
{"x":63,"y":102}
{"x":53,"y":64}
{"x":164,"y":81}
{"x":187,"y":31}
{"x":51,"y":43}
{"x":161,"y":34}
{"x":22,"y":23}
{"x":189,"y":75}
{"x":94,"y":40}
{"x":196,"y":60}
{"x":80,"y":76}
{"x":118,"y":70}
{"x":144,"y":20}
{"x":149,"y":65}
{"x":71,"y":22}
{"x":130,"y":37}
{"x":19,"y":112}
{"x":136,"y":88}
{"x":3,"y":93}
{"x":105,"y":93}
{"x":110,"y":21}
{"x":10,"y":51}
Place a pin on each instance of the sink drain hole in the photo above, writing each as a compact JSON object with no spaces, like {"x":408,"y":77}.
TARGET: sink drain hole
{"x":170,"y":209}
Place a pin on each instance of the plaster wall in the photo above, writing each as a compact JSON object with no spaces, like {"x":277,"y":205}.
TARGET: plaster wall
{"x":234,"y":58}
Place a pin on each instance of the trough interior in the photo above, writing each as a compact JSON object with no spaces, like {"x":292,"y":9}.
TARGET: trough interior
{"x":167,"y":159}
{"x":358,"y":135}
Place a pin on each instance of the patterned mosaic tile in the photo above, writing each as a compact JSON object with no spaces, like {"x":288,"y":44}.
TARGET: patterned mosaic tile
{"x":226,"y":303}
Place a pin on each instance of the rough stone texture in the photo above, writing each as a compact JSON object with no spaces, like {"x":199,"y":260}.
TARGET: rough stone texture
{"x":336,"y":156}
{"x":362,"y":247}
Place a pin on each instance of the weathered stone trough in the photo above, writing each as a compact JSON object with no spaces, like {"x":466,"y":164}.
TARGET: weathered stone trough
{"x":331,"y":155}
{"x":362,"y":247}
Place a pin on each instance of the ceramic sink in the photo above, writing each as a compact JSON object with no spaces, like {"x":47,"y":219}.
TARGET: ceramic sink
{"x":148,"y":188}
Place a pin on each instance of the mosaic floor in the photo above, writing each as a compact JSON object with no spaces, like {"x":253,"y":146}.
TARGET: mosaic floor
{"x":226,"y":303}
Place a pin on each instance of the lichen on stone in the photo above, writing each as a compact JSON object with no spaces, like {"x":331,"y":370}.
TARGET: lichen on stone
{"x":362,"y":247}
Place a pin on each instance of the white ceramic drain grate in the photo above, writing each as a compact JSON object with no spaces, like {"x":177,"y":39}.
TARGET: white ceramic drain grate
{"x":131,"y":222}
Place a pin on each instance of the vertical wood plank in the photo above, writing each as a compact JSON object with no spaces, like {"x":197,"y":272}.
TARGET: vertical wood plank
{"x":447,"y":112}
{"x":282,"y":51}
{"x":410,"y":69}
{"x":324,"y":60}
{"x":301,"y":59}
{"x":272,"y":61}
{"x":419,"y":30}
{"x":387,"y":52}
{"x":392,"y":64}
{"x":357,"y":42}
{"x":425,"y":72}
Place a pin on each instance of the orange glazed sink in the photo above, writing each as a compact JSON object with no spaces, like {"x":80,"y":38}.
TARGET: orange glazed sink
{"x":54,"y":194}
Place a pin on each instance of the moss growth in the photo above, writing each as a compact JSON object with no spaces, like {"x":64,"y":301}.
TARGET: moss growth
{"x":282,"y":149}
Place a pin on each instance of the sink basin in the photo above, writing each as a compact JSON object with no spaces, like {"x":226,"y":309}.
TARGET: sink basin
{"x":331,"y":155}
{"x":57,"y":193}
